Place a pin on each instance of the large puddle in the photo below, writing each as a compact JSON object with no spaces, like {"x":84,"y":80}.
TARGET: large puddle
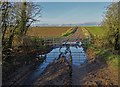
{"x":78,"y":58}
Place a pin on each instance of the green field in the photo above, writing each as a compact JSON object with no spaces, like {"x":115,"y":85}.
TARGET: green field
{"x":95,"y":30}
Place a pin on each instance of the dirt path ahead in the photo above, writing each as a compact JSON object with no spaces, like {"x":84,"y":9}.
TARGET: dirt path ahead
{"x":77,"y":36}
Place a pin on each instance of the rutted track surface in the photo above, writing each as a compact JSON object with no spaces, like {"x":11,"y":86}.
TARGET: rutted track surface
{"x":75,"y":38}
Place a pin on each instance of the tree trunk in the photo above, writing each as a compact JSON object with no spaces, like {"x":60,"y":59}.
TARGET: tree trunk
{"x":116,"y":47}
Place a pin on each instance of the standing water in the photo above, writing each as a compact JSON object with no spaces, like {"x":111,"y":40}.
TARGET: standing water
{"x":78,"y":58}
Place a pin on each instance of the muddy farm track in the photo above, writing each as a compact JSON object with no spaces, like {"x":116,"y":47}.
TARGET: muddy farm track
{"x":70,"y":66}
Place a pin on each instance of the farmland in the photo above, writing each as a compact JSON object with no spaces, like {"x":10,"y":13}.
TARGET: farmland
{"x":47,"y":31}
{"x":60,"y":44}
{"x":95,"y":30}
{"x":91,"y":51}
{"x":56,"y":31}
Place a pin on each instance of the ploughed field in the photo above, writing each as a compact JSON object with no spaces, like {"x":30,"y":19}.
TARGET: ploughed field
{"x":47,"y":31}
{"x":56,"y":31}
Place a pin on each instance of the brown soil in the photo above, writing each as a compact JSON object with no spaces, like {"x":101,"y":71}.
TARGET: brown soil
{"x":96,"y":72}
{"x":57,"y":73}
{"x":47,"y":31}
{"x":77,"y":34}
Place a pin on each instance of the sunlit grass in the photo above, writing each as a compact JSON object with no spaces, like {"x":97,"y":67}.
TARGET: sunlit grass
{"x":95,"y":30}
{"x":110,"y":58}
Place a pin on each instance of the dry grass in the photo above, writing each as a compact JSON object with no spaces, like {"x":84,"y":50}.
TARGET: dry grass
{"x":47,"y":31}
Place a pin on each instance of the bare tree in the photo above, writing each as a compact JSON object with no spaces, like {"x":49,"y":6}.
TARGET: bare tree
{"x":28,"y":13}
{"x":16,"y":19}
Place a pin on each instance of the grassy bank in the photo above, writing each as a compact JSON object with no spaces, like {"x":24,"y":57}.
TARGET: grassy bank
{"x":111,"y":58}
